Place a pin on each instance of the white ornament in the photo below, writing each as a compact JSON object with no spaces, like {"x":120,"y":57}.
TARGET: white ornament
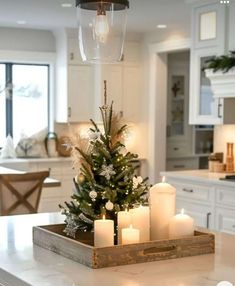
{"x":94,"y":135}
{"x":93,"y":195}
{"x":136,"y":181}
{"x":109,"y":206}
{"x":107,"y":171}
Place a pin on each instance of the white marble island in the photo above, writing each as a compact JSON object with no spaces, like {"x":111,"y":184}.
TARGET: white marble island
{"x":22,"y":263}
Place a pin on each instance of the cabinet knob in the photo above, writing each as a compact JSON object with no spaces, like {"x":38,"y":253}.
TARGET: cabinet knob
{"x":121,"y":113}
{"x":71,"y":56}
{"x":179,"y":166}
{"x":187,"y":190}
{"x":176,"y":148}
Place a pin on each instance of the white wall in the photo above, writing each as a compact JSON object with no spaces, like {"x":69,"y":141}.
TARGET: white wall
{"x":222,"y":135}
{"x":26,"y":40}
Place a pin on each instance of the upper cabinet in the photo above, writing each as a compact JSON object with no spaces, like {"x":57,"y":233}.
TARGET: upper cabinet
{"x":231,"y":30}
{"x":80,"y":86}
{"x":210,"y":37}
{"x":209,"y":25}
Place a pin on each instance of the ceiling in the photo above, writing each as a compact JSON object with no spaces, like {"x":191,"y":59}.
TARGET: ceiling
{"x":143,"y":15}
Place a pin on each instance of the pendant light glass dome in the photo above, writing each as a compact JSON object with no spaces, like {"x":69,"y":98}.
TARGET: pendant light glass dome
{"x":102,"y":28}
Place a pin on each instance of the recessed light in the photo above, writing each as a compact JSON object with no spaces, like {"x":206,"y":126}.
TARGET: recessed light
{"x":161,"y":26}
{"x":21,"y":22}
{"x":66,"y":5}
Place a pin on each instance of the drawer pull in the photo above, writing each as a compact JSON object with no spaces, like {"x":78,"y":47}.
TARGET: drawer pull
{"x":187,"y":190}
{"x":208,"y":219}
{"x":179,"y":166}
{"x":176,"y":149}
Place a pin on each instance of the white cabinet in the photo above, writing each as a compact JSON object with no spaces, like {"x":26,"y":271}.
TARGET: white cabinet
{"x":225,"y":209}
{"x":123,"y":88}
{"x":176,"y":164}
{"x":80,"y":87}
{"x":201,"y":214}
{"x":196,"y":199}
{"x":52,"y":197}
{"x":231,"y":30}
{"x":212,"y":205}
{"x":74,"y":55}
{"x":60,"y":169}
{"x":225,"y":220}
{"x":80,"y":93}
{"x":211,"y":36}
{"x":132,"y":91}
{"x":208,"y":25}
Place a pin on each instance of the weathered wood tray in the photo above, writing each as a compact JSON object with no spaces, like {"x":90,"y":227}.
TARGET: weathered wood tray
{"x":82,"y":250}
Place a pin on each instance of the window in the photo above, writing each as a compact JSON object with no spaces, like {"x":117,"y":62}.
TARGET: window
{"x":2,"y":105}
{"x":24,"y":100}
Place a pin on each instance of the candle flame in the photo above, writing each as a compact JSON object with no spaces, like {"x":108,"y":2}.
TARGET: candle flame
{"x":182,"y":211}
{"x":103,"y":217}
{"x":163,"y":179}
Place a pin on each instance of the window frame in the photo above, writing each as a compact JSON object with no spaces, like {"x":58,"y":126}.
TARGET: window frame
{"x":36,"y":58}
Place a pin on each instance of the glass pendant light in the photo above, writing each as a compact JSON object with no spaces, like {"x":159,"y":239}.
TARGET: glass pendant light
{"x":102,"y":28}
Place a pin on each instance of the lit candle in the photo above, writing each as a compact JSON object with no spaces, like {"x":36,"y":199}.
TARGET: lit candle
{"x":130,"y":235}
{"x":181,"y":225}
{"x":104,"y":232}
{"x":141,"y":221}
{"x":124,"y":220}
{"x":162,"y":209}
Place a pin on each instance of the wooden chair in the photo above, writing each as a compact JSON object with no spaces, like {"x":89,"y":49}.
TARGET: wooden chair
{"x":20,"y":193}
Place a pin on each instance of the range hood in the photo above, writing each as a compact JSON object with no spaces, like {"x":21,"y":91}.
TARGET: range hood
{"x":222,"y":83}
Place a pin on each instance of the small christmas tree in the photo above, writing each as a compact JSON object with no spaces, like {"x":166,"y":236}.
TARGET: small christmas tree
{"x":105,"y":183}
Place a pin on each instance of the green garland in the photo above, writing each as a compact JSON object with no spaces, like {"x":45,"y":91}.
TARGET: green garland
{"x":221,"y":63}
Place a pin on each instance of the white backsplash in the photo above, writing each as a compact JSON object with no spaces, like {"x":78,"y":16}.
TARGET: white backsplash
{"x":222,"y":135}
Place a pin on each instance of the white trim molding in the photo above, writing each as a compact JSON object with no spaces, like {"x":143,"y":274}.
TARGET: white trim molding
{"x":158,"y":103}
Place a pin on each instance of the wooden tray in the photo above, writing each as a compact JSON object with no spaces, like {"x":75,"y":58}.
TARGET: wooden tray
{"x":82,"y":250}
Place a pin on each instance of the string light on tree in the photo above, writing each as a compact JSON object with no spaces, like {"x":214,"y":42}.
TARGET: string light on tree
{"x":106,"y":181}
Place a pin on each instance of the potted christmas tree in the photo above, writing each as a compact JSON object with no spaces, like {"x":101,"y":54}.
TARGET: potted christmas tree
{"x":106,"y":181}
{"x":221,"y":72}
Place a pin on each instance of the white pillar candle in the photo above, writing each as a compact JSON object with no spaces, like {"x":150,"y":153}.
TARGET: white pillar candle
{"x":124,"y":220}
{"x":162,"y":209}
{"x":181,"y":225}
{"x":103,"y":232}
{"x":130,"y":235}
{"x":141,"y":221}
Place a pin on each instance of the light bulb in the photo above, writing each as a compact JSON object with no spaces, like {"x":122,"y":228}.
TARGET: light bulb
{"x":101,"y":26}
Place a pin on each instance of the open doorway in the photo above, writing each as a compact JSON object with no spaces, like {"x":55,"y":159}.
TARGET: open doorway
{"x":188,"y":146}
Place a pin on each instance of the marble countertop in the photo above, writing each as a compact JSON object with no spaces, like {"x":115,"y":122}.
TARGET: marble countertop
{"x":22,"y":263}
{"x":200,"y":176}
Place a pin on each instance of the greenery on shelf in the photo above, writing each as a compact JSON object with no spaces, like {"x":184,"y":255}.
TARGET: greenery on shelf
{"x":221,"y":63}
{"x":105,"y":183}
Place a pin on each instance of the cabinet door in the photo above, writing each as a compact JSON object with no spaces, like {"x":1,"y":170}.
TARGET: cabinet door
{"x":74,"y":55}
{"x":202,"y":215}
{"x":80,"y":104}
{"x":208,"y":25}
{"x":131,"y":93}
{"x":225,"y":220}
{"x":231,"y":38}
{"x":113,"y":76}
{"x":203,"y":108}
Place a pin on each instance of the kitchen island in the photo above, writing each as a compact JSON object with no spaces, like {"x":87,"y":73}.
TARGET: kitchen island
{"x":22,"y":263}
